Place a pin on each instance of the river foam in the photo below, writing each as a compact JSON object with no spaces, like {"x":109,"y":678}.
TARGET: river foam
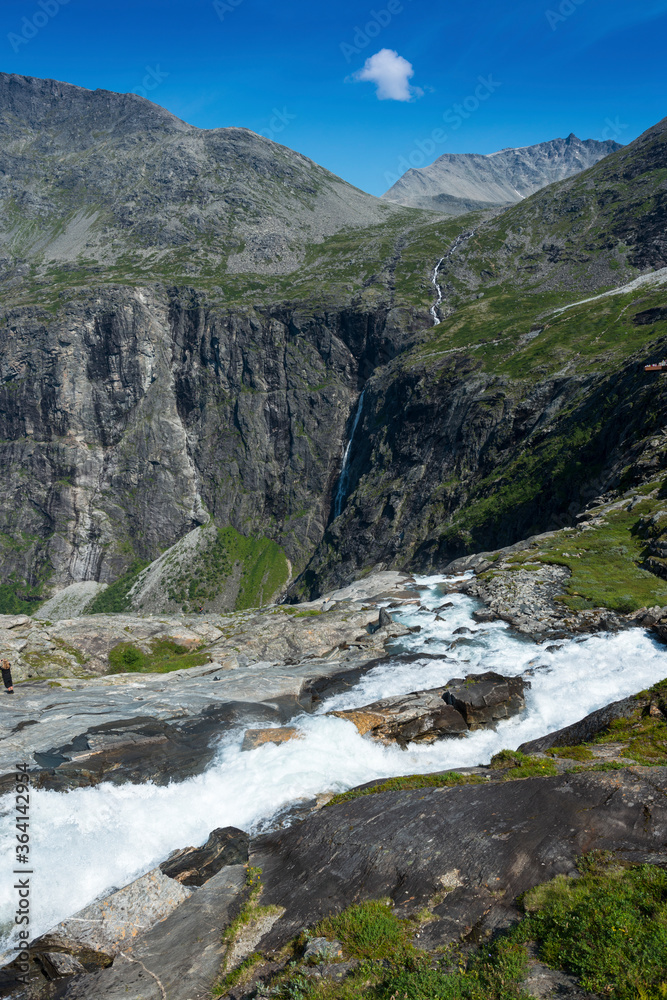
{"x":86,"y":841}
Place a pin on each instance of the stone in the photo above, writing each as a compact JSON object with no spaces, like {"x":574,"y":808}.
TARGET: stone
{"x":421,"y":717}
{"x":483,"y":699}
{"x":108,"y":926}
{"x":484,"y":616}
{"x":196,"y":865}
{"x":587,"y":728}
{"x":254,"y":738}
{"x":499,"y":840}
{"x":319,"y":950}
{"x":58,"y":964}
{"x":180,"y":957}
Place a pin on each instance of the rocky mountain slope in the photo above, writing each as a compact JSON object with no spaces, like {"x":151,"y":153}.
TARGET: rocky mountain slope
{"x":518,"y":410}
{"x":163,"y":393}
{"x":457,"y":183}
{"x":93,"y":180}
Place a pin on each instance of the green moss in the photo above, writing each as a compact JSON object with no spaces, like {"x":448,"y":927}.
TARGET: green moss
{"x":369,"y":930}
{"x":408,"y":782}
{"x":519,"y":765}
{"x":165,"y":656}
{"x":571,"y":753}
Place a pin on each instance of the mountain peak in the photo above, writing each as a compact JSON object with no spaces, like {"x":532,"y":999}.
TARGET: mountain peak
{"x":456,"y":183}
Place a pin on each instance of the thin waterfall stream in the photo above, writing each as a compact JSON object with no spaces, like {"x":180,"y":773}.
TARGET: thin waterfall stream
{"x":343,"y":479}
{"x":462,"y":238}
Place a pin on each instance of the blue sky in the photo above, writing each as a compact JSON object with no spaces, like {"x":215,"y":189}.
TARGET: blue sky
{"x":287,"y":69}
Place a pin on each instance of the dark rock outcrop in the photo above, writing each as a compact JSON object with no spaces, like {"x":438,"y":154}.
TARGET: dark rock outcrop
{"x":462,"y":704}
{"x":481,"y":844}
{"x":196,"y":865}
{"x":589,"y":727}
{"x":483,"y":699}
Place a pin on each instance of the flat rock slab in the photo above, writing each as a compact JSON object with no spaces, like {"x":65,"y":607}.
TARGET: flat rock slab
{"x":180,"y":958}
{"x":155,"y":727}
{"x":109,"y":926}
{"x":481,"y":844}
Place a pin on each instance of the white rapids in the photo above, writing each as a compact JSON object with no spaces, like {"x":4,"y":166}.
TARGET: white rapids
{"x":86,"y":841}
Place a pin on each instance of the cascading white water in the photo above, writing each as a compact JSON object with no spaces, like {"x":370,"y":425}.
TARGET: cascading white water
{"x":434,"y":280}
{"x":88,"y":840}
{"x":343,"y":479}
{"x":436,"y":285}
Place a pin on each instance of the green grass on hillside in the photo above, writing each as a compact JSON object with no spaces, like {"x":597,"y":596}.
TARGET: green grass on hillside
{"x":262,"y":564}
{"x":114,"y":599}
{"x":165,"y":656}
{"x":606,"y":563}
{"x":608,"y":927}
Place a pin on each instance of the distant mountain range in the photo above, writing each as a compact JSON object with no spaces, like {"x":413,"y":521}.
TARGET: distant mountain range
{"x":457,"y":183}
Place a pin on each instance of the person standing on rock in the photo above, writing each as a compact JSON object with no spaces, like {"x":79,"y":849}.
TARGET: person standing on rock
{"x":6,"y":668}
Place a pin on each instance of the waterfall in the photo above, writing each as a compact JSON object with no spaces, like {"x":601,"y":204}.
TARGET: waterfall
{"x":434,"y":280}
{"x":343,"y":479}
{"x":461,"y":238}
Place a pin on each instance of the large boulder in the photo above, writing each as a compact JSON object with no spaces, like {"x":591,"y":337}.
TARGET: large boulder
{"x":424,"y":716}
{"x":420,"y":717}
{"x":196,"y":865}
{"x":483,"y":699}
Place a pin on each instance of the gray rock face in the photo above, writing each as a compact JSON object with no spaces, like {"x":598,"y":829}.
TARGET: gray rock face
{"x":482,"y":845}
{"x":107,"y":927}
{"x":164,"y":411}
{"x":196,"y":865}
{"x":477,"y":701}
{"x":117,"y":177}
{"x":457,"y":183}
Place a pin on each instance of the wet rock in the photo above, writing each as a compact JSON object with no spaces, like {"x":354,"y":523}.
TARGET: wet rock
{"x":484,"y":616}
{"x":421,"y":717}
{"x":589,"y":727}
{"x":483,"y":699}
{"x":105,"y":928}
{"x":424,"y":716}
{"x":179,"y":957}
{"x":59,"y":965}
{"x":196,"y":865}
{"x":320,"y":950}
{"x":384,"y":618}
{"x":462,"y":630}
{"x":258,"y":737}
{"x":488,"y":842}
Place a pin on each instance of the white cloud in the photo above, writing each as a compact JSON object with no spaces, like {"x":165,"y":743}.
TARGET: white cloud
{"x":390,"y":73}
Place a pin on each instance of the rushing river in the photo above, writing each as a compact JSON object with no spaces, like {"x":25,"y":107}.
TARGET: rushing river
{"x":86,"y":841}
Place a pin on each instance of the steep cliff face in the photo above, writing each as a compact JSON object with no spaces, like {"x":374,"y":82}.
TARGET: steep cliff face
{"x":136,"y":414}
{"x":451,"y":459}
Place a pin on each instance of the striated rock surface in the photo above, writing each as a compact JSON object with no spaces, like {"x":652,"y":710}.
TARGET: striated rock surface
{"x":196,"y":865}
